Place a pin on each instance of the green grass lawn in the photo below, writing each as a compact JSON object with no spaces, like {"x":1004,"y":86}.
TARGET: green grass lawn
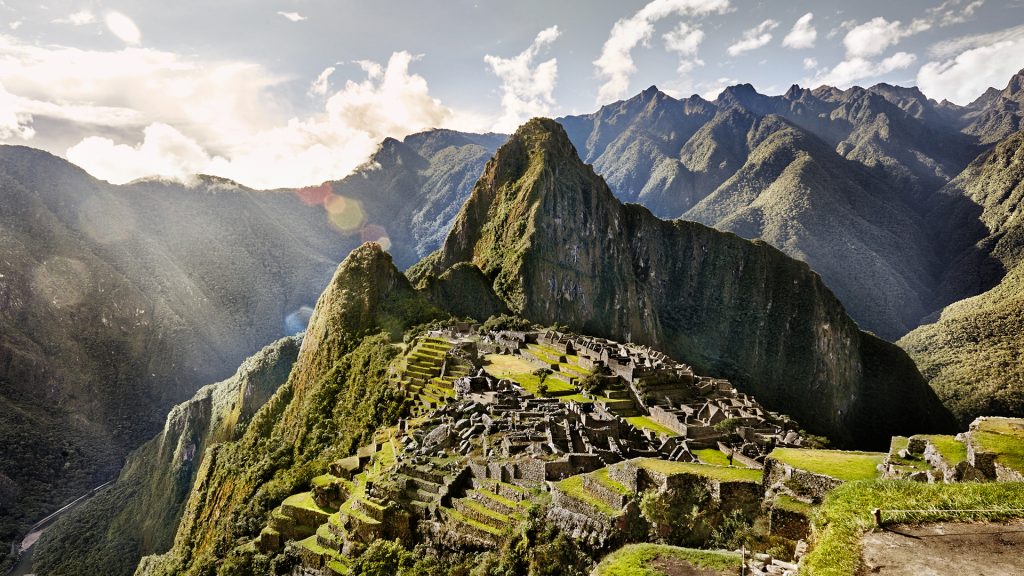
{"x":1004,"y":437}
{"x":712,"y":456}
{"x":503,"y":365}
{"x":952,"y":450}
{"x":643,"y":559}
{"x":573,"y":486}
{"x":531,"y":383}
{"x":605,"y":480}
{"x":790,"y":504}
{"x":846,"y":514}
{"x":721,"y":473}
{"x":646,"y":423}
{"x":846,"y":466}
{"x":305,"y":500}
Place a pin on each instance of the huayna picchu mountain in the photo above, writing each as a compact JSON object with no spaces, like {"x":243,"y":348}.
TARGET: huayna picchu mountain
{"x":559,"y":248}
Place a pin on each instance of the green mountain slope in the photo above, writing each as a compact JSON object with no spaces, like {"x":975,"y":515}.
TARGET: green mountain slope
{"x":972,"y":354}
{"x":336,"y":396}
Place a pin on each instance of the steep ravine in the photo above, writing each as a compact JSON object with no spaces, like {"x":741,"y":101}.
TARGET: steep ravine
{"x":139,"y":513}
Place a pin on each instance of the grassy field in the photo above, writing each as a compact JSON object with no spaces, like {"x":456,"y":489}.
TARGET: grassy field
{"x":952,"y":450}
{"x":504,"y":365}
{"x":847,"y":466}
{"x":573,"y":486}
{"x":1004,"y":437}
{"x":712,"y":456}
{"x":646,"y":423}
{"x":722,"y":473}
{"x":645,"y":559}
{"x":846,"y":514}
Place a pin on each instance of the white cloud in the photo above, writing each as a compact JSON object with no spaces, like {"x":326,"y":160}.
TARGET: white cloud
{"x":878,"y":34}
{"x":123,"y":27}
{"x":810,"y":63}
{"x":526,"y":87}
{"x":322,"y":84}
{"x":293,"y":16}
{"x":164,"y":151}
{"x":965,"y":77}
{"x":685,"y":40}
{"x":951,"y":12}
{"x":15,"y":25}
{"x":952,"y":47}
{"x":844,"y":26}
{"x":754,"y":38}
{"x":802,"y":35}
{"x":615,"y":64}
{"x":14,"y":123}
{"x":80,"y":18}
{"x":166,"y":114}
{"x":390,"y":102}
{"x":849,"y":71}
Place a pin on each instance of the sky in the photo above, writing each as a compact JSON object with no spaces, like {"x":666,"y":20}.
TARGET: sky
{"x":288,"y":93}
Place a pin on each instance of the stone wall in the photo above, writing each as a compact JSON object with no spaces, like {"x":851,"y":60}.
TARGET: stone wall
{"x":801,"y":482}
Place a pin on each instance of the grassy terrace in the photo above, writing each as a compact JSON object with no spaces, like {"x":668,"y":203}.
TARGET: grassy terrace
{"x":846,"y":514}
{"x":952,"y":450}
{"x":644,"y":559}
{"x":459,"y":517}
{"x":645,"y":423}
{"x":573,"y":486}
{"x":846,"y":466}
{"x":712,"y":456}
{"x":1004,"y":437}
{"x":790,"y":504}
{"x":305,"y":501}
{"x":504,"y":365}
{"x":721,"y":473}
{"x":605,"y":480}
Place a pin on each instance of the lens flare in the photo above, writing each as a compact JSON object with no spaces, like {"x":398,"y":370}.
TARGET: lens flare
{"x":376,"y":233}
{"x":62,"y":281}
{"x":314,"y":195}
{"x":345,"y":214}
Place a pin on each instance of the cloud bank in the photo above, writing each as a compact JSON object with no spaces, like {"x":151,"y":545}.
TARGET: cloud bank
{"x":615,"y":64}
{"x":526,"y":87}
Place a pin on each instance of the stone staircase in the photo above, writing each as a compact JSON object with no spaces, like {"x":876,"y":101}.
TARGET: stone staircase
{"x":486,"y":511}
{"x":422,"y":375}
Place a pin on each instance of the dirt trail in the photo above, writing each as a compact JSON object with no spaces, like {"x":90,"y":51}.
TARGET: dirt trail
{"x":975,"y":549}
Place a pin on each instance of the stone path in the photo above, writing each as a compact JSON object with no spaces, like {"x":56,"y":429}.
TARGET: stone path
{"x":978,"y":549}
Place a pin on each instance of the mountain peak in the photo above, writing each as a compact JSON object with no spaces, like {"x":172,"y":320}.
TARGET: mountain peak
{"x":1016,"y":83}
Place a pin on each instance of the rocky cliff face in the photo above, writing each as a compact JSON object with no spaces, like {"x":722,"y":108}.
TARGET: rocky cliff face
{"x":558,"y":248}
{"x":139,"y":513}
